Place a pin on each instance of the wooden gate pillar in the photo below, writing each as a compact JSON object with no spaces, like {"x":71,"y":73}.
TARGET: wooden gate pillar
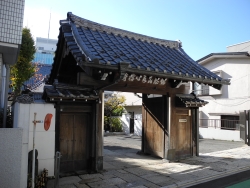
{"x":99,"y":132}
{"x":195,"y":130}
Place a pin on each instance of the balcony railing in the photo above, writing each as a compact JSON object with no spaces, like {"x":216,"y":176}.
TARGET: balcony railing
{"x":220,"y":124}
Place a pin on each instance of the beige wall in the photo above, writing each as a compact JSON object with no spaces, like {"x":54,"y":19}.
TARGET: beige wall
{"x":236,"y":96}
{"x":242,"y":47}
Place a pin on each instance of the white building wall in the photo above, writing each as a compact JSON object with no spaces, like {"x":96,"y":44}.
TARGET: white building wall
{"x":219,"y":134}
{"x":137,"y":124}
{"x":236,"y":96}
{"x":241,"y":47}
{"x":48,"y":45}
{"x":44,"y":140}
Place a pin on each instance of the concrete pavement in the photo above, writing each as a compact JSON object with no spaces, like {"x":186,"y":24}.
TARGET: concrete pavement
{"x":123,"y":167}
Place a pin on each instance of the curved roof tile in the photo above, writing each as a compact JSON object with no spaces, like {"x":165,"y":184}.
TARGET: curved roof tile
{"x":93,"y":42}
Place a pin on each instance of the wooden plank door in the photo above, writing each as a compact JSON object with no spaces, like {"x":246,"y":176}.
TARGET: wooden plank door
{"x":183,"y":146}
{"x":73,"y":141}
{"x":153,"y":123}
{"x":154,"y":136}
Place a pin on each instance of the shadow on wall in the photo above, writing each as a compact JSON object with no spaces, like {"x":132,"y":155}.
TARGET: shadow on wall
{"x":125,"y":123}
{"x":225,"y":87}
{"x":137,"y":124}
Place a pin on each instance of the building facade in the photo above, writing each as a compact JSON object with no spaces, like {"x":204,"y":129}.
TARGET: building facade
{"x":90,"y":58}
{"x":45,"y":49}
{"x":227,"y":103}
{"x":11,"y":20}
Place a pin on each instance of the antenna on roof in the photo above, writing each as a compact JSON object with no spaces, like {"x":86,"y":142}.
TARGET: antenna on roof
{"x":49,"y":23}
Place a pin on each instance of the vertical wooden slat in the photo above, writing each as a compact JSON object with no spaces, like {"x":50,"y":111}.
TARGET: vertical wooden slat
{"x":66,"y":142}
{"x":80,"y":141}
{"x":183,"y":146}
{"x":154,"y":126}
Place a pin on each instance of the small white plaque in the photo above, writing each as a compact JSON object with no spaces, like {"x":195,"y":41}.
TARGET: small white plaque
{"x":182,"y":120}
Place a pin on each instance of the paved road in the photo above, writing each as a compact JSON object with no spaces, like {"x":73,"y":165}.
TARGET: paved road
{"x":208,"y":146}
{"x":134,"y":142}
{"x":124,"y":168}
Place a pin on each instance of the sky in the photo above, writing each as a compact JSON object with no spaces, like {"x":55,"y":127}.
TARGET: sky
{"x":203,"y":26}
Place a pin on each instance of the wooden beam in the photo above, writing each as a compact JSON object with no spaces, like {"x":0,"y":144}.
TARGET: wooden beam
{"x":139,"y":87}
{"x":84,"y":79}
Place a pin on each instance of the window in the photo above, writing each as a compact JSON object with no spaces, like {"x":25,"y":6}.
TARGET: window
{"x":40,"y":48}
{"x":229,"y":122}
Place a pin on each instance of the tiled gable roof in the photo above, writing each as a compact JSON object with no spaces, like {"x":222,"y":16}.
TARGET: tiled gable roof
{"x":189,"y":100}
{"x":35,"y":81}
{"x":99,"y":45}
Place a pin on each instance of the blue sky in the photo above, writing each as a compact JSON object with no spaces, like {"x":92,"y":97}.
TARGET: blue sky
{"x":203,"y":26}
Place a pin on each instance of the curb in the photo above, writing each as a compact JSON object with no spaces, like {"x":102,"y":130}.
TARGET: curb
{"x":214,"y":177}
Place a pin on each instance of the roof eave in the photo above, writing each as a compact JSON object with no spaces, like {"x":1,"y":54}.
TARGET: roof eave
{"x":168,"y":75}
{"x":212,"y":56}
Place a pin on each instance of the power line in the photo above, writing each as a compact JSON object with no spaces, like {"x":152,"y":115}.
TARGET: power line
{"x":230,"y":105}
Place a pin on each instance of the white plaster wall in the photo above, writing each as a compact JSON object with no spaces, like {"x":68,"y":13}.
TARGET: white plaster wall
{"x":242,"y":47}
{"x":137,"y":124}
{"x":12,"y":155}
{"x":136,"y":109}
{"x":131,"y":99}
{"x":236,"y":96}
{"x":44,"y":140}
{"x":218,"y":134}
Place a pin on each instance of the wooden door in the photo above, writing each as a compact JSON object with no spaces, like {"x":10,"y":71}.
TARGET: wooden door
{"x":153,"y":123}
{"x":183,"y":145}
{"x":73,"y":141}
{"x":154,"y":137}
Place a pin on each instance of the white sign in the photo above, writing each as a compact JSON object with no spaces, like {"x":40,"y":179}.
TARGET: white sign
{"x":182,"y":120}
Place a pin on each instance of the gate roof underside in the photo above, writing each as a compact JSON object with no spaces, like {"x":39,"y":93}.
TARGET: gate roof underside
{"x":110,"y":55}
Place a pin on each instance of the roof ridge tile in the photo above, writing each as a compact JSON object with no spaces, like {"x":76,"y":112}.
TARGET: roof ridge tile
{"x":108,"y":29}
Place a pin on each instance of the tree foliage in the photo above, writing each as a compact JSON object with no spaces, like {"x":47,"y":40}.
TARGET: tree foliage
{"x":114,"y":106}
{"x":23,"y":69}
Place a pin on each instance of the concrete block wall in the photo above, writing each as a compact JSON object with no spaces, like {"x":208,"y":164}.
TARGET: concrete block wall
{"x":13,"y":156}
{"x":219,"y":134}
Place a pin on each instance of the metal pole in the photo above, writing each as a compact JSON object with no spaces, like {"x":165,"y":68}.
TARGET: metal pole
{"x":33,"y":160}
{"x":6,"y":95}
{"x":57,"y":168}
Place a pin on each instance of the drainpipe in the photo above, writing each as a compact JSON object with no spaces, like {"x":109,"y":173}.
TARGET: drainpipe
{"x":3,"y":84}
{"x":6,"y":95}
